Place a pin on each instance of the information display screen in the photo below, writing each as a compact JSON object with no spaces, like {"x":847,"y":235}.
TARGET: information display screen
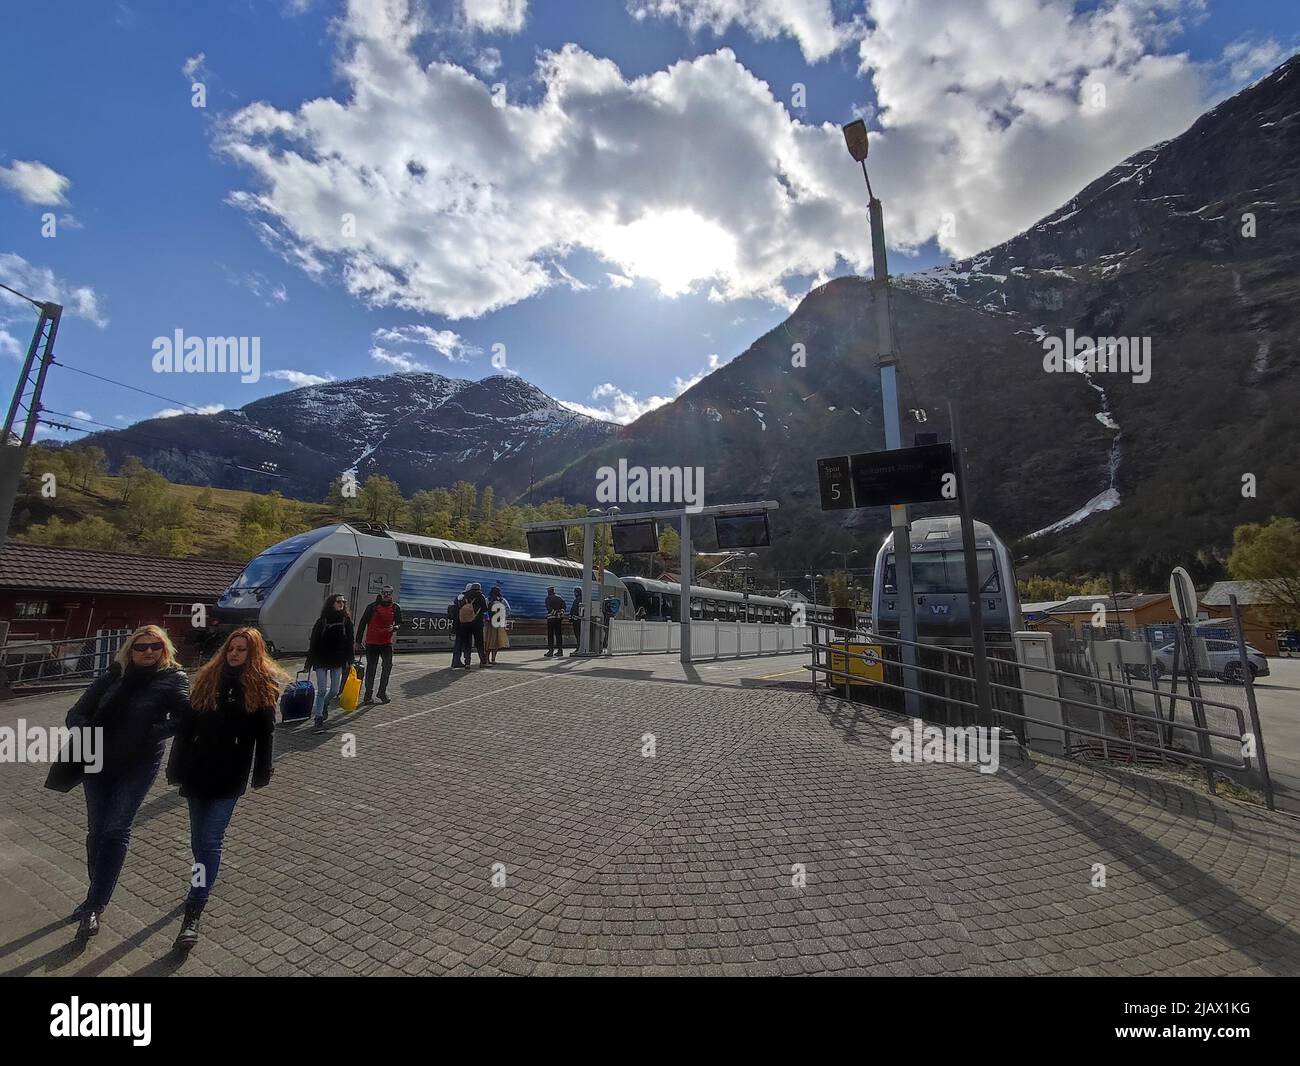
{"x":742,"y":530}
{"x":632,"y":538}
{"x":547,"y":544}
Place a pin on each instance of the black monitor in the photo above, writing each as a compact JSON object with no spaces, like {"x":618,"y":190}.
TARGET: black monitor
{"x":547,"y":544}
{"x":742,"y":530}
{"x":632,"y":538}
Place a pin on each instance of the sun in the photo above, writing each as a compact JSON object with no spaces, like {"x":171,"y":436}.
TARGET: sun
{"x":674,"y":249}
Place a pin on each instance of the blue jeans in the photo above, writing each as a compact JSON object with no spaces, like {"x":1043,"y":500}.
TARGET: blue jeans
{"x":112,"y":802}
{"x":329,"y":681}
{"x":208,"y":821}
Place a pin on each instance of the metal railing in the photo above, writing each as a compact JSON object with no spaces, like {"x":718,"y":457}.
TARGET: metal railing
{"x":942,"y":669}
{"x":52,"y":662}
{"x":710,"y":638}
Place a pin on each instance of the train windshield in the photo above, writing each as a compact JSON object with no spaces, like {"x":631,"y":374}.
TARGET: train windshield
{"x":944,"y":572}
{"x":265,"y":570}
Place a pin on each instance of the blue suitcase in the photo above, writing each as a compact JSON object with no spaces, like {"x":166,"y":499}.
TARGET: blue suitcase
{"x":298,"y":699}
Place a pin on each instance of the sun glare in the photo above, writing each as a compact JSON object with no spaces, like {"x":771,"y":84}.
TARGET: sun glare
{"x":674,"y":249}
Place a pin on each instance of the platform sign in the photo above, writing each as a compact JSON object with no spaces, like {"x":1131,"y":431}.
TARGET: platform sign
{"x":835,"y":482}
{"x":902,"y":475}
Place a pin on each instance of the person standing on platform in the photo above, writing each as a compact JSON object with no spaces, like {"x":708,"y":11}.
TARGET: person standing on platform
{"x":495,"y":634}
{"x":575,"y":619}
{"x":379,"y":623}
{"x":554,"y":625}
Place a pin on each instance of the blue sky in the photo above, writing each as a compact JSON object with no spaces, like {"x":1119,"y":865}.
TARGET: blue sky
{"x":647,"y":202}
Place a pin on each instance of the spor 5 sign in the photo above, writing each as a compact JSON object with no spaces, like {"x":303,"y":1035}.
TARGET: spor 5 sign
{"x":881,"y":479}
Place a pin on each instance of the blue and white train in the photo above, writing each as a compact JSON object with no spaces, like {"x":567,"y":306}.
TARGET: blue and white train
{"x":282,"y":590}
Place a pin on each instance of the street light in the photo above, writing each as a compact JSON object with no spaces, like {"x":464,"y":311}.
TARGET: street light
{"x":855,"y":138}
{"x":814,"y":578}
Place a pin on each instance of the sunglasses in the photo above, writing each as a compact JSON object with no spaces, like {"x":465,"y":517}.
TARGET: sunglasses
{"x":147,"y":647}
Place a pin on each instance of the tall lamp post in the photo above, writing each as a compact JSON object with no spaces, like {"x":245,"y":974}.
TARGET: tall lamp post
{"x":855,"y":138}
{"x":814,"y":578}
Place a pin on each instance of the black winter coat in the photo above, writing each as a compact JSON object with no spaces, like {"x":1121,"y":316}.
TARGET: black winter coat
{"x":215,"y":750}
{"x":330,"y":645}
{"x":137,"y":709}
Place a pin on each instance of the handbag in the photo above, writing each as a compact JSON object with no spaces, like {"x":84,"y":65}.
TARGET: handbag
{"x":64,"y":776}
{"x":350,"y":694}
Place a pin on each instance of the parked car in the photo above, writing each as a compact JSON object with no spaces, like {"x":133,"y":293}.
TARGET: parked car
{"x":1224,"y":661}
{"x":1288,"y":642}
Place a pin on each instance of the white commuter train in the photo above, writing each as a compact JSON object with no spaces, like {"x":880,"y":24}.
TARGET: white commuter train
{"x":282,"y":590}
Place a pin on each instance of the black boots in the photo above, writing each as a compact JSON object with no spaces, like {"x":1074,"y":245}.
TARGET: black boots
{"x":89,"y":926}
{"x":189,"y":934}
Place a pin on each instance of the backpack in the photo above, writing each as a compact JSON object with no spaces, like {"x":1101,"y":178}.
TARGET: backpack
{"x":467,"y":613}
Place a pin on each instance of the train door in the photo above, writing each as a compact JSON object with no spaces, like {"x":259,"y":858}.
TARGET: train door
{"x":375,"y":574}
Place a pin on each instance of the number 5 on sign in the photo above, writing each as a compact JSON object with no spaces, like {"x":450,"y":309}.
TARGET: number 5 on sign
{"x":835,"y":483}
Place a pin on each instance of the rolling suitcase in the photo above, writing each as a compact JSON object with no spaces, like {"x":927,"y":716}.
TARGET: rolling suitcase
{"x":298,"y":699}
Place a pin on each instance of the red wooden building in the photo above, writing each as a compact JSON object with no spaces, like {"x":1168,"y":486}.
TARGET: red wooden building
{"x":57,"y":594}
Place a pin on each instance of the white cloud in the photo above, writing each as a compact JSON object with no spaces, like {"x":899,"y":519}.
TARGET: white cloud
{"x":172,"y":412}
{"x":85,"y":416}
{"x":402,"y":362}
{"x":268,"y":291}
{"x":682,"y":384}
{"x":488,"y":61}
{"x":9,"y":345}
{"x":193,"y":65}
{"x":619,"y":281}
{"x":299,"y":378}
{"x":495,"y":16}
{"x":810,"y":22}
{"x":445,"y":342}
{"x":623,"y":407}
{"x":40,"y":284}
{"x":35,"y":182}
{"x":1247,"y":60}
{"x":696,"y":177}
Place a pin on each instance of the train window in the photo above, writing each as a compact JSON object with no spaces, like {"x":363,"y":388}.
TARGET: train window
{"x":324,"y":570}
{"x":403,"y":548}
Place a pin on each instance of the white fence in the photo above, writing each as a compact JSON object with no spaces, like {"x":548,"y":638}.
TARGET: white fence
{"x":709,"y":640}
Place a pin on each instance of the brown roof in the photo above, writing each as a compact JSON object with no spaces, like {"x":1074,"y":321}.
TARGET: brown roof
{"x":48,"y":568}
{"x":1124,"y":601}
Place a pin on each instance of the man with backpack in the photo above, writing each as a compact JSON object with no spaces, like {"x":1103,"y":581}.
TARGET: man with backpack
{"x":460,"y":631}
{"x":554,"y":625}
{"x":379,"y":622}
{"x":575,"y":617}
{"x":477,"y":602}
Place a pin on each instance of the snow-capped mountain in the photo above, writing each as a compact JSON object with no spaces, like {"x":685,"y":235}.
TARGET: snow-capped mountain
{"x":1186,"y":250}
{"x":423,"y":430}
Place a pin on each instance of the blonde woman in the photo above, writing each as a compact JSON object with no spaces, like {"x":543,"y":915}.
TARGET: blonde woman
{"x":137,"y":703}
{"x":225,"y":735}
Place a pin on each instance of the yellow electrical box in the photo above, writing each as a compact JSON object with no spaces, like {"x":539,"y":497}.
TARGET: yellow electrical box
{"x":864,"y":664}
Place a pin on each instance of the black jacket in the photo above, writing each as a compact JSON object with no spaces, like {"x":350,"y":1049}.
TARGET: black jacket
{"x":555,"y":606}
{"x":215,"y":750}
{"x":330,"y":645}
{"x":137,"y":709}
{"x":370,"y":609}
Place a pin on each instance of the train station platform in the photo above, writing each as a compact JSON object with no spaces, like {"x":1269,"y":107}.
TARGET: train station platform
{"x":510,"y":820}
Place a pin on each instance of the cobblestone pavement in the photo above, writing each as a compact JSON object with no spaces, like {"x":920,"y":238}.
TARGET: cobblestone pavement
{"x":683,"y":862}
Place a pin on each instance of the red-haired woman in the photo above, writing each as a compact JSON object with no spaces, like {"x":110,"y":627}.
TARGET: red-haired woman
{"x":226,"y":735}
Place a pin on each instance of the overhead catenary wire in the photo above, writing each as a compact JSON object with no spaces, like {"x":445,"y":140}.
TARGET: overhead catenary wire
{"x":157,"y":441}
{"x":123,"y":384}
{"x":23,"y":296}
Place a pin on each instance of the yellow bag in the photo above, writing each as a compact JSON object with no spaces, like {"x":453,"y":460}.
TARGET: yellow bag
{"x":350,"y":696}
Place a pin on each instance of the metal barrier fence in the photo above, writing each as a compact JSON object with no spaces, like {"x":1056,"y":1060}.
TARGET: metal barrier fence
{"x":51,"y":662}
{"x":709,"y":639}
{"x":1082,"y":712}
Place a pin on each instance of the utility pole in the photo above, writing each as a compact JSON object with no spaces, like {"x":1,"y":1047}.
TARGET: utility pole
{"x":855,"y":137}
{"x":14,"y":449}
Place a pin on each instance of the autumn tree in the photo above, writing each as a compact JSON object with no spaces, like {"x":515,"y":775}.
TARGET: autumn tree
{"x":1268,"y":556}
